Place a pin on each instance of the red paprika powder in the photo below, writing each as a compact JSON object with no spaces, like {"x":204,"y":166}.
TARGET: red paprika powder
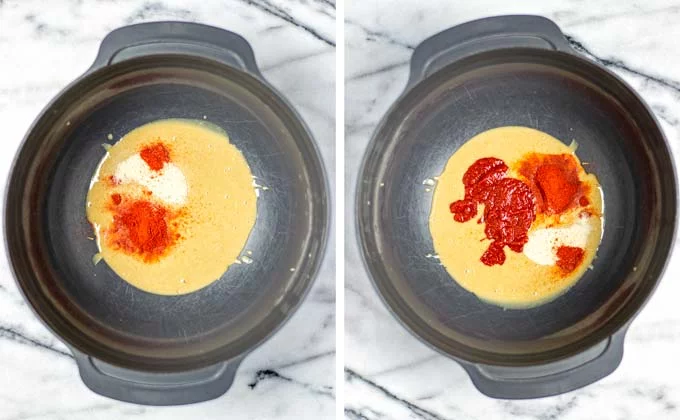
{"x":141,"y":228}
{"x":509,"y":207}
{"x":569,"y":257}
{"x":554,"y":181}
{"x":155,"y":155}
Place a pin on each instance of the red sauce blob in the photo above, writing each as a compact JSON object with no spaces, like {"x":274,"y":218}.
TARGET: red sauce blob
{"x":569,"y":257}
{"x":155,"y":155}
{"x":141,"y":227}
{"x":554,"y":181}
{"x":116,"y":198}
{"x":509,"y":207}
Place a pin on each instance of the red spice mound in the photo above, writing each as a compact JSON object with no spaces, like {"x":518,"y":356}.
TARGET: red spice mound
{"x":554,"y":181}
{"x":116,"y":198}
{"x":155,"y":155}
{"x":569,"y":257}
{"x":509,"y":207}
{"x":141,"y":228}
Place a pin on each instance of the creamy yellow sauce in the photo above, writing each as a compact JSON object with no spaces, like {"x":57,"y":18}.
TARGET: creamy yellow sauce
{"x":519,"y":282}
{"x":217,"y":216}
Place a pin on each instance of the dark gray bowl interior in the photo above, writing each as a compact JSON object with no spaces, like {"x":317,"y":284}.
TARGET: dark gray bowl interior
{"x":94,"y":309}
{"x":568,"y":98}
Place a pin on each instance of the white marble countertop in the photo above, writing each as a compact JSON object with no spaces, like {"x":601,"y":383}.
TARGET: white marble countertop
{"x":43,"y":47}
{"x":392,"y":375}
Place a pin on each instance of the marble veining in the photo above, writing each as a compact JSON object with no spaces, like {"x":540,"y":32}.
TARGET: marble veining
{"x":44,"y":46}
{"x":391,"y":375}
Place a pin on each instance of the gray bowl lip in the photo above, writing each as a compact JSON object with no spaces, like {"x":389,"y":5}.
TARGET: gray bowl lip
{"x":325,"y":207}
{"x":495,"y":359}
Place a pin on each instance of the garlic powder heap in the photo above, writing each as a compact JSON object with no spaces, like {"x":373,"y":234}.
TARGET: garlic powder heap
{"x":544,"y":242}
{"x":169,"y":184}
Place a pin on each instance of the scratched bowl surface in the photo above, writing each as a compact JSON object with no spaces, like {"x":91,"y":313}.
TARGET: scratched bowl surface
{"x":568,"y":98}
{"x":94,"y":309}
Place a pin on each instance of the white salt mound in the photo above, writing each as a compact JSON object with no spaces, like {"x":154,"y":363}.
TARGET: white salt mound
{"x":544,"y":242}
{"x":168,"y":184}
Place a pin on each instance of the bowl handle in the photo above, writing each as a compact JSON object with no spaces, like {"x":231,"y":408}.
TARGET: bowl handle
{"x":176,"y":38}
{"x":156,"y":388}
{"x":549,"y":379}
{"x":482,"y":35}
